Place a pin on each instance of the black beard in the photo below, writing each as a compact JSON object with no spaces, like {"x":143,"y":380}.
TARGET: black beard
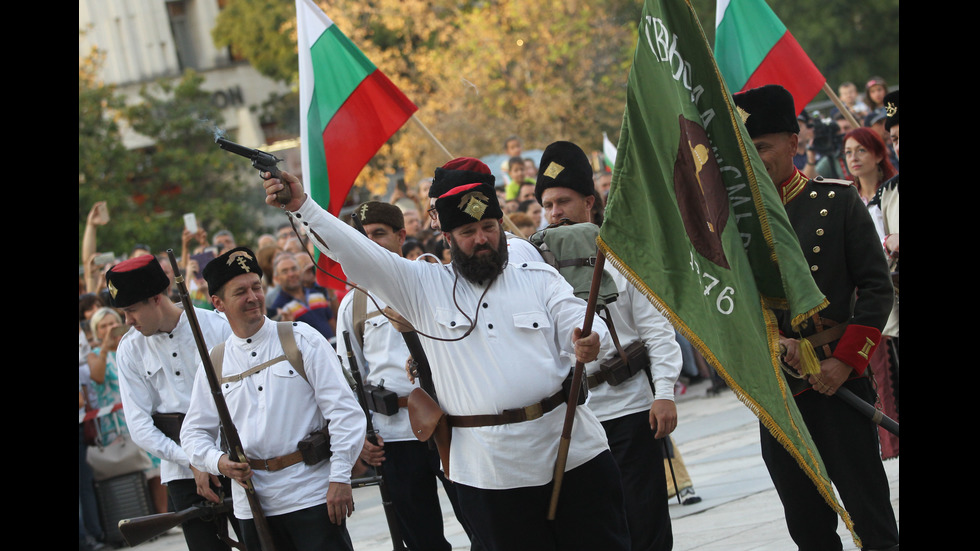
{"x":479,"y":268}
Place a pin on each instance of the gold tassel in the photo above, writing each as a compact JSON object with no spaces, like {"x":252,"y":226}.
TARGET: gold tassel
{"x":809,"y":364}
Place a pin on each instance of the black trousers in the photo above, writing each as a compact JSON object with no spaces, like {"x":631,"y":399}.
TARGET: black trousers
{"x":200,"y":535}
{"x":848,"y":444}
{"x":308,"y":529}
{"x":639,"y":457}
{"x":412,"y":474}
{"x":590,"y":514}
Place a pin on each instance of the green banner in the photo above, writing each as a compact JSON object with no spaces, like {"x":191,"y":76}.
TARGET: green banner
{"x":695,"y":222}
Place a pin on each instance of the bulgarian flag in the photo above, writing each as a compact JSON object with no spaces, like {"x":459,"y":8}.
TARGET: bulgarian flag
{"x":753,"y":48}
{"x":348,"y":110}
{"x":608,"y":152}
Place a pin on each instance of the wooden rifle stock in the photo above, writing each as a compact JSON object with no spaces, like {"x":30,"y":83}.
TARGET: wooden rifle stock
{"x":578,"y":374}
{"x":390,"y":515}
{"x":140,"y":529}
{"x":236,"y":451}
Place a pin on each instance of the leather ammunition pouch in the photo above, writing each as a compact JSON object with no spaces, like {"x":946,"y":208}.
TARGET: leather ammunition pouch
{"x":429,"y":421}
{"x":382,"y":400}
{"x":169,"y":424}
{"x":621,"y":367}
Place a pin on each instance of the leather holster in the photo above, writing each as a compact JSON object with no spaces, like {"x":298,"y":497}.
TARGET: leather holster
{"x":429,"y":421}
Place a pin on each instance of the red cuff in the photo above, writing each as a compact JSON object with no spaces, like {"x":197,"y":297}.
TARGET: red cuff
{"x":857,"y":346}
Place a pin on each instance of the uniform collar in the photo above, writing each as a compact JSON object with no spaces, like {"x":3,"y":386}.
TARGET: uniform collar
{"x":792,"y":187}
{"x":268,"y":327}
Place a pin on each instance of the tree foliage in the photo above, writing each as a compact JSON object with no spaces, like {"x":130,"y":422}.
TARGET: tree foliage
{"x":149,"y":190}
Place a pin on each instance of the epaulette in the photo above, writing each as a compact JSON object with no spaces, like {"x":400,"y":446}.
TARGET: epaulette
{"x":822,"y":180}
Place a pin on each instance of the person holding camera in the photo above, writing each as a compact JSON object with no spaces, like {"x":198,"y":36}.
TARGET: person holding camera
{"x":283,"y":386}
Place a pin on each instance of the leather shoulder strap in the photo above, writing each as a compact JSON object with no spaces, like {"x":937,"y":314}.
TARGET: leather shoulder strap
{"x":288,"y":341}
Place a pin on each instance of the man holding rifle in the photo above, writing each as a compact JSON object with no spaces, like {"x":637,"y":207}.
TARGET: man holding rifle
{"x":622,"y":384}
{"x":841,"y":245}
{"x":504,"y":334}
{"x":157,"y":363}
{"x":278,"y":400}
{"x":411,"y":468}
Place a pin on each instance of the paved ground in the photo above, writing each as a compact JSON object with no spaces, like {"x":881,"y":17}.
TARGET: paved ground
{"x":719,"y":440}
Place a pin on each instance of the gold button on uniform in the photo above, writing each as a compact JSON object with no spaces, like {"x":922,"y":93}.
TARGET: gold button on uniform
{"x":823,"y":212}
{"x":832,"y":194}
{"x":813,"y":195}
{"x":814,"y":268}
{"x":816,"y":249}
{"x":820,"y":231}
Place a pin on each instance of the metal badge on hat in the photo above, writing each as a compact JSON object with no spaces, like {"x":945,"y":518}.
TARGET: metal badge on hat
{"x":113,"y":291}
{"x":553,"y":170}
{"x":742,"y":113}
{"x":241,"y":257}
{"x":474,"y":204}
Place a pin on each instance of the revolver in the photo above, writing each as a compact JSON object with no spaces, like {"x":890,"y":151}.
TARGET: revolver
{"x":262,"y":161}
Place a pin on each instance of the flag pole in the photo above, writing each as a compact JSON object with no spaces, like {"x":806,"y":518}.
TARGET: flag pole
{"x":840,"y":105}
{"x":508,"y":224}
{"x":432,"y":137}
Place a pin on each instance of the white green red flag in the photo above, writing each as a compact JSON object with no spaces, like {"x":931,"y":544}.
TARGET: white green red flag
{"x":348,"y":110}
{"x":608,"y":152}
{"x":694,"y":222}
{"x":753,"y":48}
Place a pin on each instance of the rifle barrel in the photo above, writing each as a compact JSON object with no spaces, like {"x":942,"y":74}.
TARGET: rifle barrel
{"x":390,"y":515}
{"x":140,"y":529}
{"x":236,"y":450}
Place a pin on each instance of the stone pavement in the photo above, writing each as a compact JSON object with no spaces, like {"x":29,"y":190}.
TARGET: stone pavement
{"x":718,"y":438}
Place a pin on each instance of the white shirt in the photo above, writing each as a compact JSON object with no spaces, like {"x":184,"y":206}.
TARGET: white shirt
{"x":634,"y":318}
{"x":156,"y":374}
{"x":273,"y":410}
{"x":382,"y":359}
{"x":513,"y":357}
{"x":520,"y":250}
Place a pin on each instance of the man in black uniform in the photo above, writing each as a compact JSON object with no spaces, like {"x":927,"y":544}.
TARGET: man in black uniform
{"x":841,"y":245}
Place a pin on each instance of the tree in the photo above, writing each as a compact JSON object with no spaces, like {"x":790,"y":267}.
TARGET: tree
{"x":149,"y":190}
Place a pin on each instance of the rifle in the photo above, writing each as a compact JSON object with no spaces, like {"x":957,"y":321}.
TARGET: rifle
{"x":372,"y":436}
{"x":235,"y":452}
{"x":414,"y":345}
{"x":140,"y":529}
{"x":577,"y":375}
{"x":262,"y":161}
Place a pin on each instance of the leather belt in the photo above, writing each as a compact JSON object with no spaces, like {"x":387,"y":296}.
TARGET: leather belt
{"x":402,"y":402}
{"x":276,"y":463}
{"x":516,"y":415}
{"x":827,"y":336}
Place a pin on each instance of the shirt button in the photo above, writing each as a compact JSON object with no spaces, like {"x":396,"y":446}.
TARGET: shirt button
{"x":177,"y":373}
{"x":248,"y":340}
{"x":253,"y":354}
{"x":489,"y":326}
{"x":175,"y":354}
{"x":452,"y":324}
{"x":171,"y":335}
{"x":535,"y":325}
{"x":485,"y":305}
{"x":260,"y":389}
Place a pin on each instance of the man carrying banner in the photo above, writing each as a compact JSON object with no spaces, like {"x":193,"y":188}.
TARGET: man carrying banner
{"x":633,"y":416}
{"x":841,"y":245}
{"x":498,"y":371}
{"x":157,"y":363}
{"x":277,"y":404}
{"x":411,"y":468}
